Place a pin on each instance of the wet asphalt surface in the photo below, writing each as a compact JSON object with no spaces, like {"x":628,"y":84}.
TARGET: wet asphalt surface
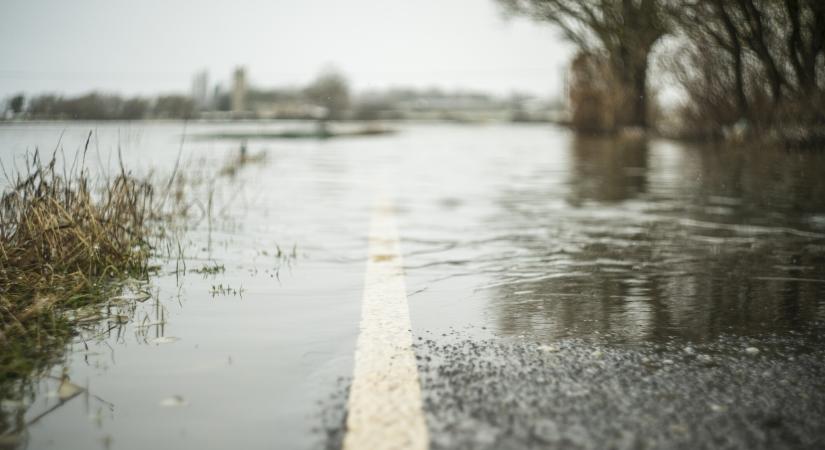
{"x":733,"y":393}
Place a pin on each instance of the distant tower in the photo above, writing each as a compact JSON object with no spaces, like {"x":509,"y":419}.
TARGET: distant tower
{"x":239,"y":91}
{"x":200,"y":90}
{"x":217,"y":99}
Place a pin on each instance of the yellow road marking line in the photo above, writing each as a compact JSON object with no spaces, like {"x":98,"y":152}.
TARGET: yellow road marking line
{"x":384,"y":409}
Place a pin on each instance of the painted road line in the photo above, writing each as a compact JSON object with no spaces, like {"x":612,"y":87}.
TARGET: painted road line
{"x":384,"y":408}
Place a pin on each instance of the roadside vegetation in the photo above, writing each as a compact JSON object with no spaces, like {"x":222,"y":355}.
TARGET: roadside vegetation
{"x":74,"y":253}
{"x":78,"y":253}
{"x":65,"y":240}
{"x":69,"y":239}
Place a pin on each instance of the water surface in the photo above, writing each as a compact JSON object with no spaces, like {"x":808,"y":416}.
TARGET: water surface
{"x":508,"y":231}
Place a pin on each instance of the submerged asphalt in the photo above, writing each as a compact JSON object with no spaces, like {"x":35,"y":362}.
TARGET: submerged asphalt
{"x":732,"y":393}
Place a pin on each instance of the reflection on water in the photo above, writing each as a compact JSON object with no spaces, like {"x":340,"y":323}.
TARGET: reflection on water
{"x":660,"y":241}
{"x":35,"y":383}
{"x":607,"y":170}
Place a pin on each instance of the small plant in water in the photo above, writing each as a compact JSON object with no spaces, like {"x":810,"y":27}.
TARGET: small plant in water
{"x":282,"y":258}
{"x":212,"y":269}
{"x":243,"y":158}
{"x":220,"y":289}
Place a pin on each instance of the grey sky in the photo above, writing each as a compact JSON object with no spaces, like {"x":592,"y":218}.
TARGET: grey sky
{"x":151,"y":46}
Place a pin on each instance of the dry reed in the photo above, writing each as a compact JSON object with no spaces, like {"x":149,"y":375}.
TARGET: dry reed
{"x":64,"y":237}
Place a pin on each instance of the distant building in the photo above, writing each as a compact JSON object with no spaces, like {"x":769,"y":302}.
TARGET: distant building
{"x":239,"y":91}
{"x":200,"y":90}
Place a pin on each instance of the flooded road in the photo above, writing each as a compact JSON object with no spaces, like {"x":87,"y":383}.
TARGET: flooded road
{"x":580,"y":268}
{"x":576,"y":237}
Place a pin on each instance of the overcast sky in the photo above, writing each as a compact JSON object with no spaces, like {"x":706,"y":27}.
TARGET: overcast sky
{"x":151,"y":46}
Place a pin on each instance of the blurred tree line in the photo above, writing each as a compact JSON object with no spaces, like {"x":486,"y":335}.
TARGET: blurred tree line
{"x":98,"y":106}
{"x":326,"y":97}
{"x":330,"y":97}
{"x":754,"y":67}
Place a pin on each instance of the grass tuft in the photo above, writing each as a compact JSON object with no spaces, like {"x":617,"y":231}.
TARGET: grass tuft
{"x":65,"y":238}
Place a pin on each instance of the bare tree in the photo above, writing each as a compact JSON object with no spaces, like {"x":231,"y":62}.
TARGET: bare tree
{"x":330,"y":91}
{"x":770,"y":55}
{"x":625,"y":31}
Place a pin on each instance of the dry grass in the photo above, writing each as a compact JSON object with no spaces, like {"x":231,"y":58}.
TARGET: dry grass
{"x":64,"y":237}
{"x":76,"y":254}
{"x":74,"y":250}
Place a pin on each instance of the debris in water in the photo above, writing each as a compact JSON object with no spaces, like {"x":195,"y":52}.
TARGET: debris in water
{"x":175,"y":401}
{"x":129,"y":297}
{"x":107,"y":441}
{"x":120,"y":318}
{"x":165,"y":340}
{"x":150,"y":324}
{"x":67,"y":389}
{"x":752,"y":351}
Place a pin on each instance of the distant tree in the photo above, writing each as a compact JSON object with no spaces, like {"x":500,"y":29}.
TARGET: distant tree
{"x":624,"y":31}
{"x":96,"y":106}
{"x":174,"y":107}
{"x":91,"y":106}
{"x":330,"y":91}
{"x":758,"y":61}
{"x":134,"y":109}
{"x":371,"y":109}
{"x":44,"y":106}
{"x":16,"y":103}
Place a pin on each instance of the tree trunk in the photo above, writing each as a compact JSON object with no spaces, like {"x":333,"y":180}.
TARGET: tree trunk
{"x":632,"y":86}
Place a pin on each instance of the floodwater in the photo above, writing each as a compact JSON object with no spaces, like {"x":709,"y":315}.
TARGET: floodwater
{"x":508,"y":232}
